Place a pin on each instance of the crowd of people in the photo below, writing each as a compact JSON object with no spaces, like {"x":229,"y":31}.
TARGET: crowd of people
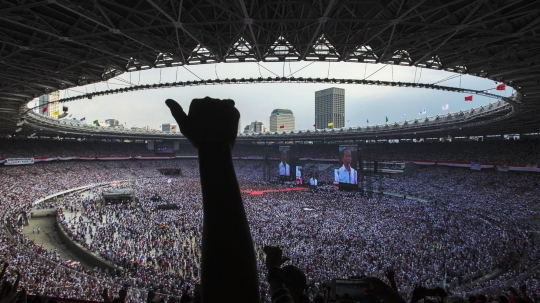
{"x":469,"y":231}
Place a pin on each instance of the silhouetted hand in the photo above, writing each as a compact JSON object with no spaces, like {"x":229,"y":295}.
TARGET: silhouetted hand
{"x":151,"y":296}
{"x":105,"y":295}
{"x":382,"y":290}
{"x":390,"y":274}
{"x":418,"y":293}
{"x":122,"y":293}
{"x":209,"y":120}
{"x":274,"y":256}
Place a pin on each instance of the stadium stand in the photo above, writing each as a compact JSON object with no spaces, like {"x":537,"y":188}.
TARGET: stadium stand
{"x":472,"y":235}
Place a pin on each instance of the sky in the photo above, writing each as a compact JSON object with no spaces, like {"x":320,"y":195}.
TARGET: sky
{"x":256,"y":101}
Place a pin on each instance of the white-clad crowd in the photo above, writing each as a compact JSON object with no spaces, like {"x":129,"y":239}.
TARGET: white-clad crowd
{"x":468,"y":225}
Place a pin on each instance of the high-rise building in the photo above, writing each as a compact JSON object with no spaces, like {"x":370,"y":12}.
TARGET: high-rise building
{"x":112,"y":122}
{"x":52,"y":109}
{"x":281,"y":120}
{"x":255,"y":127}
{"x":330,"y":108}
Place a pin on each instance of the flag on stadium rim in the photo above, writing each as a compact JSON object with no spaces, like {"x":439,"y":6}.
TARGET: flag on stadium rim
{"x":44,"y":109}
{"x":96,"y":122}
{"x":468,"y":98}
{"x":501,"y":86}
{"x":315,"y":125}
{"x":423,"y":111}
{"x":386,"y":118}
{"x":367,"y":121}
{"x":282,"y":126}
{"x":330,"y":123}
{"x":445,"y":107}
{"x":403,"y":116}
{"x":83,"y":119}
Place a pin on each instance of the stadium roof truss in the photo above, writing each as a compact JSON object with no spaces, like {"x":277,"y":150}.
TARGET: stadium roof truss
{"x":57,"y":44}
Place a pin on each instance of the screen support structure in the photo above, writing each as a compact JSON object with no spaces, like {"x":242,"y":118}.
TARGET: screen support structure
{"x":366,"y":183}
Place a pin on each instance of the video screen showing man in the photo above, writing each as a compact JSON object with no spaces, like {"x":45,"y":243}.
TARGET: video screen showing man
{"x":313,"y":179}
{"x":284,"y":168}
{"x":347,"y":172}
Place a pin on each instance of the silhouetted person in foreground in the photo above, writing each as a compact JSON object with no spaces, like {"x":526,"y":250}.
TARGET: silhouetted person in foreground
{"x":228,"y":266}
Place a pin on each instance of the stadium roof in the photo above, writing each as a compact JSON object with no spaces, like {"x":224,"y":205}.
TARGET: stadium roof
{"x":56,"y":44}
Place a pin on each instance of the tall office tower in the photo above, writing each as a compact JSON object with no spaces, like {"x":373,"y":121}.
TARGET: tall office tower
{"x":330,"y":108}
{"x":281,"y":120}
{"x":52,"y":109}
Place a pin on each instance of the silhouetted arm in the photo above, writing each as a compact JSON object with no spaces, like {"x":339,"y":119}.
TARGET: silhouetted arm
{"x":228,"y":266}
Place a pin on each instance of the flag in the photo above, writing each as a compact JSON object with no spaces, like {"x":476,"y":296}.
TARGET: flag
{"x":423,"y":111}
{"x":348,"y":121}
{"x":70,"y":116}
{"x":403,"y":116}
{"x":173,"y":127}
{"x":95,"y":122}
{"x":121,"y":126}
{"x":445,"y":107}
{"x":56,"y":113}
{"x":501,"y":86}
{"x":282,"y":126}
{"x":315,"y":125}
{"x":330,"y":123}
{"x":44,"y":109}
{"x":386,"y":118}
{"x":83,"y":119}
{"x":468,"y":98}
{"x":367,"y":121}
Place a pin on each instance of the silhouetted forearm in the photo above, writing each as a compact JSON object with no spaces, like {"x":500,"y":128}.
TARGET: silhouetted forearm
{"x":229,"y":272}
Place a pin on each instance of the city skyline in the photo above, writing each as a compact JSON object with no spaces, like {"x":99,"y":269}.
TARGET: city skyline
{"x":256,"y":101}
